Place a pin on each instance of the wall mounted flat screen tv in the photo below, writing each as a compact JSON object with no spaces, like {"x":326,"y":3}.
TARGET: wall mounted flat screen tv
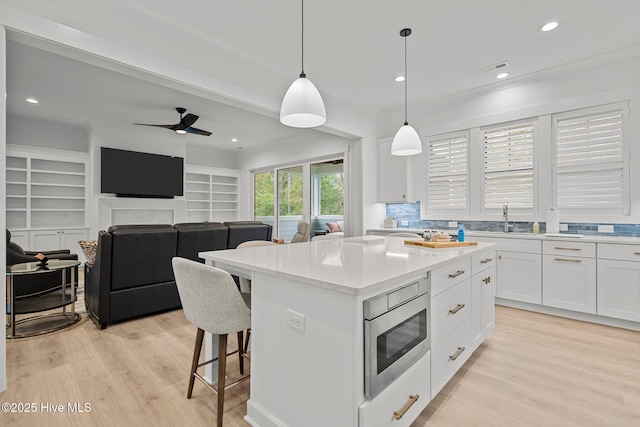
{"x":134,"y":174}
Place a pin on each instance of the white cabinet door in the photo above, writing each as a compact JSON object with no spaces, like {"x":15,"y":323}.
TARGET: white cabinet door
{"x":619,"y":289}
{"x":483,"y":306}
{"x":392,"y":175}
{"x":44,"y":240}
{"x":519,"y":276}
{"x":569,"y":283}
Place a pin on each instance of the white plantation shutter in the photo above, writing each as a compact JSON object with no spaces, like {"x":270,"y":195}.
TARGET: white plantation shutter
{"x":508,"y":165}
{"x":591,"y":165}
{"x":448,"y":164}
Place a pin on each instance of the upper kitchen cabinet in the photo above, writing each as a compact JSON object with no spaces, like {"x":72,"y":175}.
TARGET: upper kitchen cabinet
{"x":398,"y":176}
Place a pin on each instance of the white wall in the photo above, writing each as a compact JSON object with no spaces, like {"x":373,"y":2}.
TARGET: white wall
{"x":40,"y":133}
{"x":3,"y":215}
{"x":579,"y":86}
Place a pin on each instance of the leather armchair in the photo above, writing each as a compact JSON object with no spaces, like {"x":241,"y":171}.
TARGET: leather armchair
{"x":36,"y":284}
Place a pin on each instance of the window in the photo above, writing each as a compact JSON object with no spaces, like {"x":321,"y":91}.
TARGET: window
{"x":509,"y":165}
{"x":591,"y":161}
{"x":448,"y":164}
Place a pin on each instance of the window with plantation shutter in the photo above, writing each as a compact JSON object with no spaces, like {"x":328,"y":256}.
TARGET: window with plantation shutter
{"x":448,"y":164}
{"x":591,"y":160}
{"x":509,"y":165}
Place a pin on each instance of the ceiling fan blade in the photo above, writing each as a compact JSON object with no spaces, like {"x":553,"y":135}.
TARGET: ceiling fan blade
{"x":197,"y":131}
{"x":188,"y":120}
{"x":172,"y":127}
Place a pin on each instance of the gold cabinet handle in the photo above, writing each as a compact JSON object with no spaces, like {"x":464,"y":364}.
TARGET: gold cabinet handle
{"x":484,"y":261}
{"x":487,"y":280}
{"x":413,"y":398}
{"x":567,"y":260}
{"x":567,"y":249}
{"x":636,"y":253}
{"x":458,"y":352}
{"x":456,"y":309}
{"x":456,"y":274}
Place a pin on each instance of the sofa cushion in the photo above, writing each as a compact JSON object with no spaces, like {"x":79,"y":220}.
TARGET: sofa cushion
{"x":200,"y":237}
{"x":240,"y":233}
{"x":141,"y":255}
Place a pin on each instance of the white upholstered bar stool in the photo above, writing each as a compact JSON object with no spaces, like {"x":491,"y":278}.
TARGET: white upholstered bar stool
{"x":211,"y":301}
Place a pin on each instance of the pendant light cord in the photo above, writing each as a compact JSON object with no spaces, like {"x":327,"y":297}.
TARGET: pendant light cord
{"x":405,"y":81}
{"x":302,"y":74}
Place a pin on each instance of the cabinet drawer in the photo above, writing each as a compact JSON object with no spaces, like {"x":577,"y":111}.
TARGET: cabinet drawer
{"x":444,"y":277}
{"x":566,"y":248}
{"x":619,"y":252}
{"x":449,"y":310}
{"x":415,"y":382}
{"x":513,"y":244}
{"x":449,"y":355}
{"x":482,"y":261}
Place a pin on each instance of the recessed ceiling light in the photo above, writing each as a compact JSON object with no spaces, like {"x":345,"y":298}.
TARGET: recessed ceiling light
{"x":234,"y":139}
{"x":502,"y":75}
{"x":32,"y":100}
{"x":181,"y":131}
{"x":399,"y":78}
{"x":549,"y":26}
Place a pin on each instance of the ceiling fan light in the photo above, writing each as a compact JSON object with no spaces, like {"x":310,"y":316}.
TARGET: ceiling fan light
{"x":181,"y":131}
{"x":406,"y":142}
{"x":302,"y":105}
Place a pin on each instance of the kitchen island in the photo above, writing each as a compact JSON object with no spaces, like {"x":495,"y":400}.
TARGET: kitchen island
{"x":307,"y":349}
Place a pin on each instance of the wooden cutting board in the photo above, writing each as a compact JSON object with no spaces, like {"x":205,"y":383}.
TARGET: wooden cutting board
{"x":438,"y":244}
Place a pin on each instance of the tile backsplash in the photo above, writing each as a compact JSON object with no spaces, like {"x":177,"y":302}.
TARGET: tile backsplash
{"x":409,"y":213}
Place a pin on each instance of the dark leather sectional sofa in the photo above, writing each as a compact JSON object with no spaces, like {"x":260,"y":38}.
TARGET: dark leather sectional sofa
{"x":132,"y":274}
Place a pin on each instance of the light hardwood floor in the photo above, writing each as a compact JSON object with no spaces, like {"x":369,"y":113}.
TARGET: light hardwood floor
{"x":534,"y":370}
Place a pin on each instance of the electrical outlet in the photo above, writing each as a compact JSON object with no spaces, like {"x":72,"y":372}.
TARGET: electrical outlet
{"x":605,"y":228}
{"x":453,"y":224}
{"x":295,"y":320}
{"x":404,"y":222}
{"x":564,"y":227}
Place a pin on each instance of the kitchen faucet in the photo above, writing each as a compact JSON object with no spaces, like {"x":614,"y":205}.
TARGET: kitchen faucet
{"x":505,"y":215}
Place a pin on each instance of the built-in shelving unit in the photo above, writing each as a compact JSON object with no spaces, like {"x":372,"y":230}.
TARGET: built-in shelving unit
{"x":211,"y":194}
{"x":46,"y":191}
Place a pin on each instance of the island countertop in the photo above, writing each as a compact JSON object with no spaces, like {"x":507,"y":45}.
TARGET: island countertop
{"x":353,"y":265}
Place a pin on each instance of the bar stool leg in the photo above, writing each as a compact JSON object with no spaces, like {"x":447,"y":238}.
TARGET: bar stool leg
{"x":194,"y":363}
{"x":241,"y":351}
{"x":222,"y":368}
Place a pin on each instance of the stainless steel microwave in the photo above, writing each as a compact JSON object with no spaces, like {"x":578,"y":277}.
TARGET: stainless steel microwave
{"x":396,"y":333}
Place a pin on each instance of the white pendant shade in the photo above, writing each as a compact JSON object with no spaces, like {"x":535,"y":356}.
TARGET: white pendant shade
{"x":302,"y":106}
{"x":406,"y":142}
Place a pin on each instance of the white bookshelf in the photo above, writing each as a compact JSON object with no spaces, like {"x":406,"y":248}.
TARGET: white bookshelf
{"x":211,"y":194}
{"x":46,"y":190}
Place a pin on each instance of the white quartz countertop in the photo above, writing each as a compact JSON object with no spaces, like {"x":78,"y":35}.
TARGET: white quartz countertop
{"x":342,"y":264}
{"x":469,"y":234}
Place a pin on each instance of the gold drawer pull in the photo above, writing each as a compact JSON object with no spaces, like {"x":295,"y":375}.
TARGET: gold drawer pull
{"x":456,"y":274}
{"x":458,"y":352}
{"x":413,"y":398}
{"x":484,"y":261}
{"x":567,"y":260}
{"x":456,"y":309}
{"x":567,"y":249}
{"x":636,"y":253}
{"x":487,"y":280}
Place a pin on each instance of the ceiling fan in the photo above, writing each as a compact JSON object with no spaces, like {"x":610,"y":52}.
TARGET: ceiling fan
{"x":184,"y":126}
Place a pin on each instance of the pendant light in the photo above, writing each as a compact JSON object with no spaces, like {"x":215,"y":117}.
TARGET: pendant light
{"x":406,"y":142}
{"x":302,"y":105}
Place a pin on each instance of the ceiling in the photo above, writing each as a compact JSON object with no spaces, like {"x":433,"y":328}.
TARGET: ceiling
{"x":352,"y":53}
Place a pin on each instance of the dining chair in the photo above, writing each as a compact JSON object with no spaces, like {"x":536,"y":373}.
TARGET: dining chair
{"x":211,"y":301}
{"x":302,"y":235}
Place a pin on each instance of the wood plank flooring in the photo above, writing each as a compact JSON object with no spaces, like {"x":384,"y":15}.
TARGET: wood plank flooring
{"x":534,"y":370}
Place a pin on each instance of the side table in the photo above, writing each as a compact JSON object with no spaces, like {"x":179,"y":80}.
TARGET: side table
{"x":60,"y":298}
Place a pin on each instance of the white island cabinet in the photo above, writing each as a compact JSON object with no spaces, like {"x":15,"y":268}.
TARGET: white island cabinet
{"x":307,"y":339}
